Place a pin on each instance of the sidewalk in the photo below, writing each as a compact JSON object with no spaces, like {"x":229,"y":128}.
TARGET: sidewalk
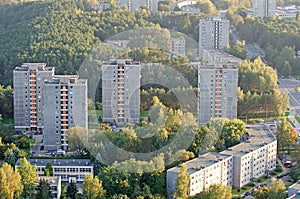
{"x":293,"y":119}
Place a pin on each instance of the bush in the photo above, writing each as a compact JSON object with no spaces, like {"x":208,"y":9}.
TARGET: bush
{"x":278,"y":169}
{"x":273,"y":173}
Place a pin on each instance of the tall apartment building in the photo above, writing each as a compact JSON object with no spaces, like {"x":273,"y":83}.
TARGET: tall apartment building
{"x":203,"y":171}
{"x":28,"y":82}
{"x":121,"y":91}
{"x":65,"y":106}
{"x":264,"y":8}
{"x":213,"y":34}
{"x":217,"y":91}
{"x":236,"y":166}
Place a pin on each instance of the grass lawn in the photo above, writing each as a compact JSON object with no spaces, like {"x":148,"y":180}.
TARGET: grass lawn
{"x":95,"y":112}
{"x":293,"y":125}
{"x":243,"y":189}
{"x":93,"y":126}
{"x":297,"y":117}
{"x":31,"y":141}
{"x":144,"y":114}
{"x":8,"y":121}
{"x":262,"y":180}
{"x":297,"y":77}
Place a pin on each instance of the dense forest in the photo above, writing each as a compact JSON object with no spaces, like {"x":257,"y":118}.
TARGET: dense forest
{"x":282,"y":53}
{"x":62,"y":33}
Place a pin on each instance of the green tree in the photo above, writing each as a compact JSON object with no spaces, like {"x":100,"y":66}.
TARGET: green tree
{"x":275,"y":191}
{"x":92,"y":187}
{"x":219,"y":191}
{"x":12,"y":156}
{"x":286,"y":135}
{"x":48,"y":170}
{"x":28,"y":175}
{"x":63,"y":191}
{"x":215,"y":191}
{"x":295,"y":171}
{"x":10,"y":183}
{"x":261,"y":193}
{"x":77,"y":139}
{"x":43,"y":190}
{"x":182,"y":183}
{"x":72,"y":190}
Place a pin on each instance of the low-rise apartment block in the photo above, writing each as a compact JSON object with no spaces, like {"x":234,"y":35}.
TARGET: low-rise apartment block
{"x":203,"y":171}
{"x":254,"y":158}
{"x":237,"y":166}
{"x":68,"y":169}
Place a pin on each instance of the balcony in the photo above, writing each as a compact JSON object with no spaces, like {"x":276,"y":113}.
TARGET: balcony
{"x":64,"y":89}
{"x":64,"y":114}
{"x":64,"y":124}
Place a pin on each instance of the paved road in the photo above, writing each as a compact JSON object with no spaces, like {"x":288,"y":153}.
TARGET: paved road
{"x":253,"y":50}
{"x":289,"y":86}
{"x":37,"y":144}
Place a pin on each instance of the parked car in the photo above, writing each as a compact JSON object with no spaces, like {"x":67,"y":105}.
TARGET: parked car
{"x":60,"y":152}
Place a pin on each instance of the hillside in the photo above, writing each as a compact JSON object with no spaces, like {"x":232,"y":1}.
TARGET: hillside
{"x":61,"y":33}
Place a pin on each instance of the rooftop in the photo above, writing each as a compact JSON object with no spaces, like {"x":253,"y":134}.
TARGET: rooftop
{"x":295,"y":186}
{"x":216,"y":19}
{"x":118,"y":61}
{"x":59,"y":162}
{"x":260,"y":136}
{"x":33,"y":67}
{"x":66,"y":79}
{"x":213,"y":65}
{"x":217,"y":54}
{"x":202,"y":162}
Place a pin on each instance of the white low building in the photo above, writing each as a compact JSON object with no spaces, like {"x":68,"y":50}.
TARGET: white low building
{"x":55,"y":185}
{"x":204,"y":170}
{"x":68,"y":169}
